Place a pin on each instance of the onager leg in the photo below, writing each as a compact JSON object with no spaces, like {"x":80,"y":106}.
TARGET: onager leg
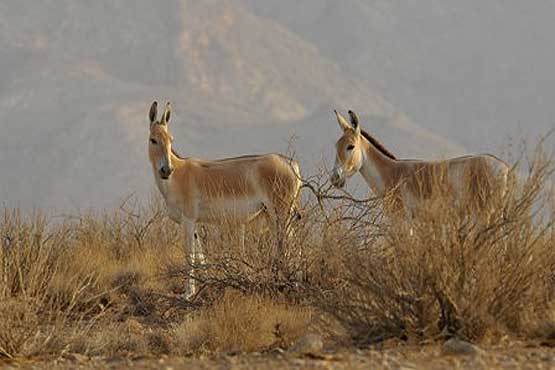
{"x":276,"y":226}
{"x":277,"y":222}
{"x":282,"y":217}
{"x":296,"y":245}
{"x":195,"y":254}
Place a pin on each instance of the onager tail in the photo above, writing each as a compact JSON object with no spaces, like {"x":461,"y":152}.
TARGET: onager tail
{"x":297,"y":205}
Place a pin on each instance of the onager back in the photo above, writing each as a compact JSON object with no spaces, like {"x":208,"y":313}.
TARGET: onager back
{"x":470,"y":181}
{"x":235,"y":190}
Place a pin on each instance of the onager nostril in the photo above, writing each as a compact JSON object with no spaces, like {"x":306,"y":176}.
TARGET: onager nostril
{"x":165,"y":171}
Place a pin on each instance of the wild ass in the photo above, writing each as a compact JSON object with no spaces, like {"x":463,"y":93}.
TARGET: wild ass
{"x":235,"y":190}
{"x":470,"y":180}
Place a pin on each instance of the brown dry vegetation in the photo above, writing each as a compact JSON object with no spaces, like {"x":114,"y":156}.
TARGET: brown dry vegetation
{"x":478,"y":277}
{"x":110,"y":284}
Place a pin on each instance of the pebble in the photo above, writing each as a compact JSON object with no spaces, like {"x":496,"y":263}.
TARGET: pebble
{"x":458,"y":347}
{"x":310,"y":344}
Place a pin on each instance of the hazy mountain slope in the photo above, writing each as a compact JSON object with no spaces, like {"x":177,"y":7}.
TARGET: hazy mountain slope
{"x":77,"y":79}
{"x":448,"y":64}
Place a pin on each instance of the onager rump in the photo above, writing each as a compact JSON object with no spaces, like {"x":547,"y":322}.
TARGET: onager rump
{"x":471,"y":181}
{"x":231,"y":190}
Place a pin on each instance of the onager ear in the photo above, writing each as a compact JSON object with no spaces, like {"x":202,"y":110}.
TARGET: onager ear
{"x":167,"y":114}
{"x":342,"y":121}
{"x":354,"y":121}
{"x":153,"y":112}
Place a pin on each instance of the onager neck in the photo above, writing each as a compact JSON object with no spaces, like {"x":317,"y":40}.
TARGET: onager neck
{"x":375,"y":168}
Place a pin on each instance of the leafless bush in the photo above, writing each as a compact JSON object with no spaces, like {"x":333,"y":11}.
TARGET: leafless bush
{"x":57,"y":277}
{"x":32,"y":311}
{"x":452,"y":273}
{"x":296,"y":265}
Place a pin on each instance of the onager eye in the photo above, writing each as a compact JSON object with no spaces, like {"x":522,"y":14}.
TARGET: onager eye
{"x":350,"y":147}
{"x":153,"y":141}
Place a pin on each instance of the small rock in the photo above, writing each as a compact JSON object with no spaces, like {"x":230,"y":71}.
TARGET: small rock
{"x":310,"y":344}
{"x":278,"y":351}
{"x":458,"y":347}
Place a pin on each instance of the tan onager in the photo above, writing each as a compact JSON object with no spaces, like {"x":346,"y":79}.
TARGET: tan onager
{"x":235,"y":190}
{"x":471,"y":181}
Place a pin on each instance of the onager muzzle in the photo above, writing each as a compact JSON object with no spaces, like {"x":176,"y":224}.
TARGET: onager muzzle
{"x":166,"y":171}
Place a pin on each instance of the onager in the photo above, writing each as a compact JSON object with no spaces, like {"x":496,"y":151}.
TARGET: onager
{"x":231,"y":190}
{"x":470,"y":181}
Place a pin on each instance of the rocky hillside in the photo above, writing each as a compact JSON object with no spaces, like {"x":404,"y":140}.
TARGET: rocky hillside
{"x":77,"y":78}
{"x":450,"y":65}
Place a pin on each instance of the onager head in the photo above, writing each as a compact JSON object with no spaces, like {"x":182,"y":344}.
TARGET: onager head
{"x":349,"y":151}
{"x":160,"y":141}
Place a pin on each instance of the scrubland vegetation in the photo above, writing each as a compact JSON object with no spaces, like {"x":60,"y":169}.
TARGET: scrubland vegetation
{"x":110,"y":284}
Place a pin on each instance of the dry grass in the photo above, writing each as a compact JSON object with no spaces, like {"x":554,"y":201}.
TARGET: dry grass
{"x":243,"y":323}
{"x":98,"y":285}
{"x":57,"y":280}
{"x":448,"y":273}
{"x":111,"y":284}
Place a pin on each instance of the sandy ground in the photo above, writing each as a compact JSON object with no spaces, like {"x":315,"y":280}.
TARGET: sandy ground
{"x":427,"y":357}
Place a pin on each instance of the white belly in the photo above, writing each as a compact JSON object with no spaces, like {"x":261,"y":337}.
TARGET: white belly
{"x":238,"y":210}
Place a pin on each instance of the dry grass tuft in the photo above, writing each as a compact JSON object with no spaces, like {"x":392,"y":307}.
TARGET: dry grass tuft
{"x":243,"y":323}
{"x":448,"y":273}
{"x":58,"y":278}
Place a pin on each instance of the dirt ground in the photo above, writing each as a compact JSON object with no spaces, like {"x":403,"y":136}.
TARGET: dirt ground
{"x":516,"y":356}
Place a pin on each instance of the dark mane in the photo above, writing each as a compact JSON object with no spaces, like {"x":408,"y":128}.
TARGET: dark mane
{"x":175,"y":153}
{"x":377,"y":145}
